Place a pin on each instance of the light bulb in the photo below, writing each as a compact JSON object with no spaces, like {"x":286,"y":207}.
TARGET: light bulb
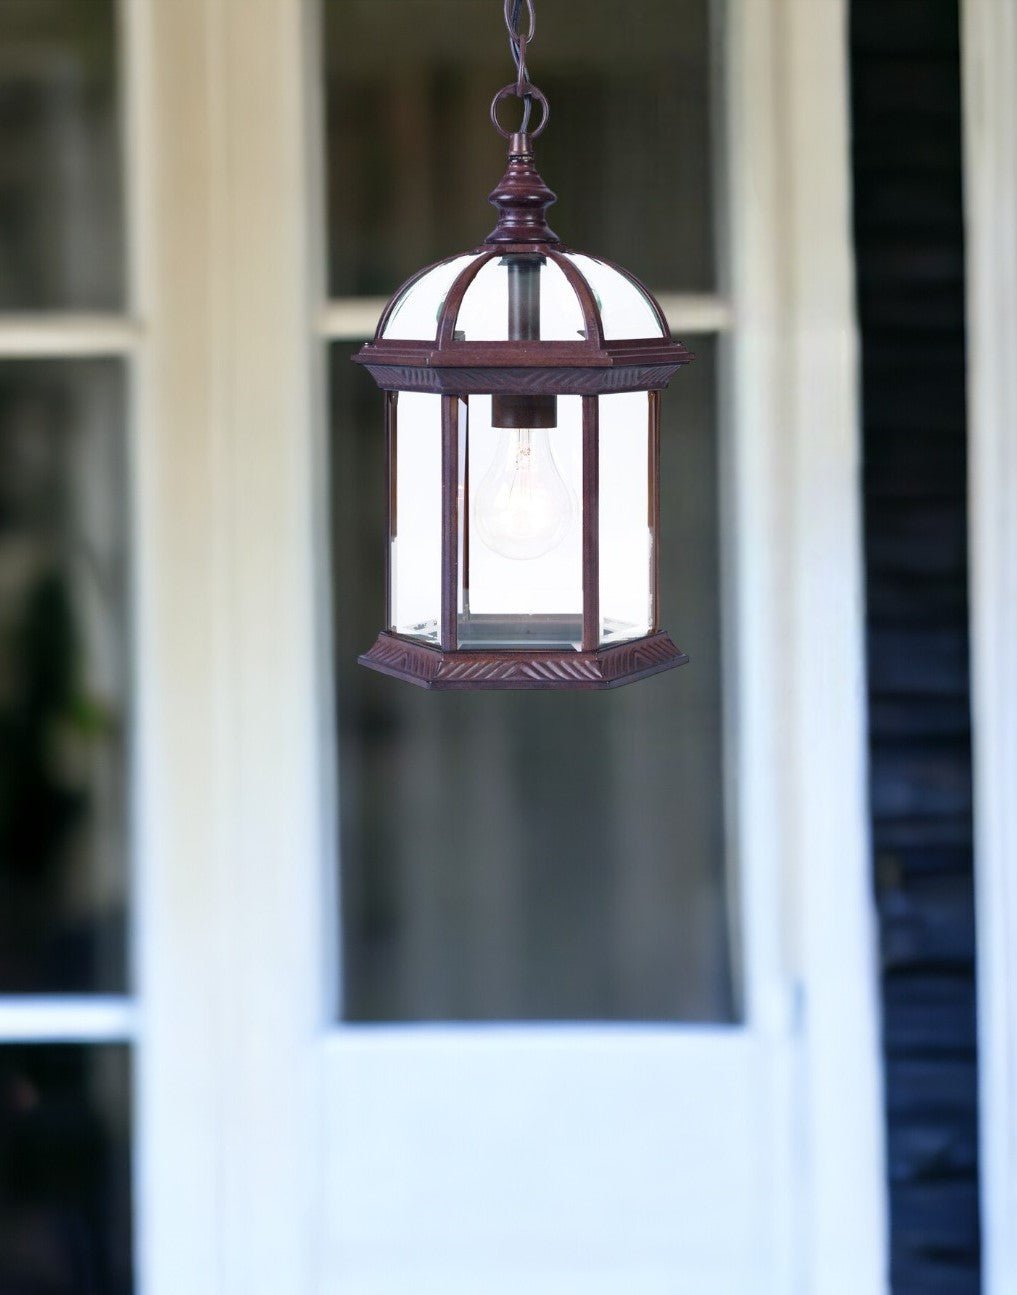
{"x":523,"y":508}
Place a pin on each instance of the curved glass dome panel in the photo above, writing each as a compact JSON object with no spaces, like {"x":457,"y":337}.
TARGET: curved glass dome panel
{"x":415,"y":315}
{"x":552,"y":311}
{"x":625,"y":308}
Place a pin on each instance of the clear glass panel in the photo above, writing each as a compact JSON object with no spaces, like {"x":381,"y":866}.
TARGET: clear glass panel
{"x":521,"y":574}
{"x":626,"y":525}
{"x":415,"y":316}
{"x":61,"y":223}
{"x":534,"y":856}
{"x":65,"y":1207}
{"x":551,"y":307}
{"x":416,"y":516}
{"x":412,"y":156}
{"x":63,"y":676}
{"x":625,"y":310}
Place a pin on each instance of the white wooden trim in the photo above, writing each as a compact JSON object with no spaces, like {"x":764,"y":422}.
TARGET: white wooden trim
{"x":795,"y":513}
{"x":30,"y":1018}
{"x":230,"y":800}
{"x":567,"y":1132}
{"x":989,"y":38}
{"x":689,"y":312}
{"x":38,"y":335}
{"x":355,"y":318}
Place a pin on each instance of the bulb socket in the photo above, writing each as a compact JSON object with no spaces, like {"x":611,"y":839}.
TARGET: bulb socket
{"x":509,"y":410}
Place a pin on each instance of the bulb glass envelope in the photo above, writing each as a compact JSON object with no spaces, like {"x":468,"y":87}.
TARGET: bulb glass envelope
{"x":522,"y":418}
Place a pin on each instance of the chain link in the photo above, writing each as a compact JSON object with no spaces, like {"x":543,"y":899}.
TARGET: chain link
{"x":518,"y":44}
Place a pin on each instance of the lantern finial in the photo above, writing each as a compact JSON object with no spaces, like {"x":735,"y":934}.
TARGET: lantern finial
{"x":522,"y":199}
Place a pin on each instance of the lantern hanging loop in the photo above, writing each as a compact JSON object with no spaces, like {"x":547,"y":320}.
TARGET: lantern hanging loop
{"x":532,"y":94}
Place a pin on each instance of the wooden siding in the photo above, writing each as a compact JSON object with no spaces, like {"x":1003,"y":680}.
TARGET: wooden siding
{"x":910,"y":278}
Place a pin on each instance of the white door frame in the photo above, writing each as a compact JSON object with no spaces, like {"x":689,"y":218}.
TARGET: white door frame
{"x":989,"y":38}
{"x":235,"y":787}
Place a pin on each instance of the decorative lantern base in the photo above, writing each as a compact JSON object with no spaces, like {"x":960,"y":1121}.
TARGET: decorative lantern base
{"x":609,"y":667}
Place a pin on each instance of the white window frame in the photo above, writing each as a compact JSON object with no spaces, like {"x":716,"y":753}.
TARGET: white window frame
{"x":989,"y":43}
{"x":234,"y":778}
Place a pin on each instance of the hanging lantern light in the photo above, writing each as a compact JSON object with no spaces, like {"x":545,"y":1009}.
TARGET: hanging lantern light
{"x":522,"y":389}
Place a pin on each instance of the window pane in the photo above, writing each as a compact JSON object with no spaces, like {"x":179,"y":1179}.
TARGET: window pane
{"x":413,"y":156}
{"x":61,"y":229}
{"x":63,"y":671}
{"x":533,"y":855}
{"x":65,"y":1220}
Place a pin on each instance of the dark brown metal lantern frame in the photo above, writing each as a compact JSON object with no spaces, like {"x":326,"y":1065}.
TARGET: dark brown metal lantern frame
{"x":525,"y":374}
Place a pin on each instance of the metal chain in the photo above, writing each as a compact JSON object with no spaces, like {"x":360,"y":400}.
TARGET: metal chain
{"x":524,"y":89}
{"x":518,"y":43}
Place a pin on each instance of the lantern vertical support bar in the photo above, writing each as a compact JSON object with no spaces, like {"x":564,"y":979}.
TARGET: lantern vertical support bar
{"x":391,"y":500}
{"x":591,"y":525}
{"x":449,"y":523}
{"x":465,"y":550}
{"x":653,"y":509}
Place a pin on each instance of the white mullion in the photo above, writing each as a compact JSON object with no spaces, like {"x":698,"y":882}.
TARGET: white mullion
{"x":355,"y":318}
{"x":59,"y":335}
{"x":69,"y":1018}
{"x":132,"y":24}
{"x":133,"y":17}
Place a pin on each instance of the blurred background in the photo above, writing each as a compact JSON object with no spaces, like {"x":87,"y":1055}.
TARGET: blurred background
{"x":503,"y":857}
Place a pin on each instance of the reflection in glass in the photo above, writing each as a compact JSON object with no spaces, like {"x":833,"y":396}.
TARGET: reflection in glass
{"x":61,"y":228}
{"x":63,"y":672}
{"x":412,"y":153}
{"x":65,"y":1225}
{"x":535,"y":855}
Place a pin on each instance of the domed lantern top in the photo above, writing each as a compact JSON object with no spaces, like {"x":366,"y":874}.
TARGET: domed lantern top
{"x":522,"y":385}
{"x":465,"y":299}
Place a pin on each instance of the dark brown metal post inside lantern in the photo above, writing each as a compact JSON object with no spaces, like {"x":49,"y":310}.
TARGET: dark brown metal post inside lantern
{"x":522,"y":423}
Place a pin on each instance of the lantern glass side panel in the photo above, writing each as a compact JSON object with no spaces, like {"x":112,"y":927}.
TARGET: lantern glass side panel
{"x":414,"y":316}
{"x":626,"y":310}
{"x":414,"y":473}
{"x":520,"y":297}
{"x":628,"y":492}
{"x":520,"y":566}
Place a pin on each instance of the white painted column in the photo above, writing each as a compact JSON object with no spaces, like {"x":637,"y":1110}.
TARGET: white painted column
{"x":846,"y":1218}
{"x":797,"y":553}
{"x":229,"y":810}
